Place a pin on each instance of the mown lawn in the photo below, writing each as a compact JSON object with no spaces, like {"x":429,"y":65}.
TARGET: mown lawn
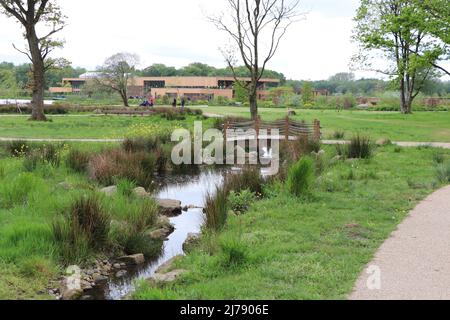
{"x":420,"y":126}
{"x":287,"y":248}
{"x":84,"y":126}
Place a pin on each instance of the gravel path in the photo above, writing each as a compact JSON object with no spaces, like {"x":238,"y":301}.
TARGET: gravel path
{"x":414,"y":263}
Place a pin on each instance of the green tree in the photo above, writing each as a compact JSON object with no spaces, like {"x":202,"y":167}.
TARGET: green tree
{"x":398,"y":30}
{"x":31,"y":14}
{"x":240,"y":92}
{"x":307,"y":93}
{"x":117,"y":74}
{"x":159,"y":70}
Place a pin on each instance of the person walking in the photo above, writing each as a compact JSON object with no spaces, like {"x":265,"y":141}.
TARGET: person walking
{"x":183,"y":103}
{"x":174,"y":103}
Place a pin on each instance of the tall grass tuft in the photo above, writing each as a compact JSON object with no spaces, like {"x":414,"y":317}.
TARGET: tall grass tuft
{"x":443,"y":172}
{"x":359,"y":148}
{"x":83,"y":230}
{"x":248,"y":179}
{"x":77,"y":160}
{"x":106,"y":167}
{"x":216,"y":209}
{"x":301,"y":177}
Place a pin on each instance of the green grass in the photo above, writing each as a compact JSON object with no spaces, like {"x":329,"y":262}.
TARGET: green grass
{"x":290,"y":248}
{"x":82,"y":126}
{"x":420,"y":126}
{"x":30,"y":202}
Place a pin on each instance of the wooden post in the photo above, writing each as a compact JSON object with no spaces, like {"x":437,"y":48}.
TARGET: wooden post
{"x":226,"y":125}
{"x":317,"y":133}
{"x":287,"y":128}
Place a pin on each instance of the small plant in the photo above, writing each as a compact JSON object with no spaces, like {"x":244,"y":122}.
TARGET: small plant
{"x":359,"y":148}
{"x":240,"y":202}
{"x":443,"y":172}
{"x":77,"y":160}
{"x":216,"y":209}
{"x":338,"y":135}
{"x":125,"y":187}
{"x":397,"y":149}
{"x":301,"y":177}
{"x":235,"y":253}
{"x":18,"y":148}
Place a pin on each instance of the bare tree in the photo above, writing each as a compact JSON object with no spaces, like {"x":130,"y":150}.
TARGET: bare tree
{"x":30,"y":14}
{"x":117,"y":74}
{"x":250,"y":23}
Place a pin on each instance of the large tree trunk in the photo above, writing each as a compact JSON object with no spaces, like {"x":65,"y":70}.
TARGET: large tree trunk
{"x":125,"y":99}
{"x":38,"y":71}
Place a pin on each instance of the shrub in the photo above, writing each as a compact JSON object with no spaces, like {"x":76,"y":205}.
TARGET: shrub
{"x":84,"y":229}
{"x":301,"y":177}
{"x":77,"y":160}
{"x":443,"y":172}
{"x":359,"y":148}
{"x":216,"y":209}
{"x":240,"y":202}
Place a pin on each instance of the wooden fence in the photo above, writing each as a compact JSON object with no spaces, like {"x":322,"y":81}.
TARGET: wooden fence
{"x":288,"y":129}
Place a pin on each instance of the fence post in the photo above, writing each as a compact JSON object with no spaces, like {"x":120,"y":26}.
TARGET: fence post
{"x":317,"y":133}
{"x":226,"y":125}
{"x":287,"y":128}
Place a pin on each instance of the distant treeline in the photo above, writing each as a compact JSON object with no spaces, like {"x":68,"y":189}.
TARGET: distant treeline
{"x":15,"y":78}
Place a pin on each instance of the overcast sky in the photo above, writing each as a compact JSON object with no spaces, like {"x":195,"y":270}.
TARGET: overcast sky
{"x":176,"y":33}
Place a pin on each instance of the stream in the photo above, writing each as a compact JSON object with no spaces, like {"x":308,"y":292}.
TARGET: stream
{"x":191,"y":191}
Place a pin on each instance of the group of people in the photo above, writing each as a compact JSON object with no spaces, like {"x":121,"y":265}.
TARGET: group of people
{"x":150,"y":102}
{"x":183,"y":103}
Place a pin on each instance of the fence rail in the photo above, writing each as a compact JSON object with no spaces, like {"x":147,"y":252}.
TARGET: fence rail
{"x":288,"y":129}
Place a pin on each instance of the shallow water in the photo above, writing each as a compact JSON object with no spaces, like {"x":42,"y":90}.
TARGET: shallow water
{"x":191,"y":191}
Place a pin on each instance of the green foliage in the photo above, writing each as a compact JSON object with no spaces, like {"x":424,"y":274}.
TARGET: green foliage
{"x":125,"y":187}
{"x":241,"y":201}
{"x":241,"y":92}
{"x":301,"y":177}
{"x":307,"y":93}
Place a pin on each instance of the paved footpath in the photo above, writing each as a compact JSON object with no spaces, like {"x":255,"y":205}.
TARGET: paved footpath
{"x":414,"y":263}
{"x":443,"y":145}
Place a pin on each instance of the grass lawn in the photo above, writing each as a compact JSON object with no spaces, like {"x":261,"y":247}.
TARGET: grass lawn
{"x":83,"y":126}
{"x":288,"y":248}
{"x":421,"y":126}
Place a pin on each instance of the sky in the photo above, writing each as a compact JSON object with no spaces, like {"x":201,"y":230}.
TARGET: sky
{"x":176,"y":33}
